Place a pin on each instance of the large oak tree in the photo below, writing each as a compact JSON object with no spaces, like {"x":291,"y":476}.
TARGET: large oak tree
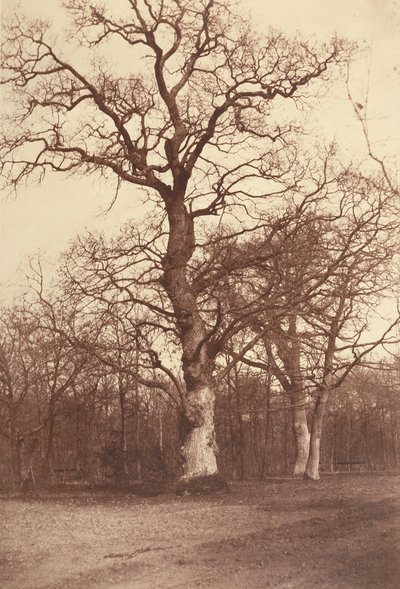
{"x":196,"y":123}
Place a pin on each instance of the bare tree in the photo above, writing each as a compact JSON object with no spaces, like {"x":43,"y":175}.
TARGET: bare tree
{"x":306,"y":305}
{"x":340,"y":316}
{"x":200,"y":131}
{"x":17,"y":378}
{"x":37,"y":371}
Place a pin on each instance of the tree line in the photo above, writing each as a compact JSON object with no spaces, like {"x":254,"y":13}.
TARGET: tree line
{"x":213,"y":336}
{"x":66,"y":415}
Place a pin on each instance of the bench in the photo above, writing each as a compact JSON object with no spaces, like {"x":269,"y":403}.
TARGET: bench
{"x":66,"y":473}
{"x":350,"y":463}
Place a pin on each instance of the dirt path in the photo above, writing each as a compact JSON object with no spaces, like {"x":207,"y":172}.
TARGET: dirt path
{"x":340,"y":533}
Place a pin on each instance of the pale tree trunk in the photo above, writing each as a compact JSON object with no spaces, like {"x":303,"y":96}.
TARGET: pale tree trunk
{"x":301,"y":437}
{"x":298,"y":400}
{"x":312,"y":468}
{"x":198,"y":434}
{"x":289,"y":352}
{"x":197,"y":422}
{"x":199,"y":447}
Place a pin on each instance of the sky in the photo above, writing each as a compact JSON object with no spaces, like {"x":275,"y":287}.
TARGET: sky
{"x":45,"y":219}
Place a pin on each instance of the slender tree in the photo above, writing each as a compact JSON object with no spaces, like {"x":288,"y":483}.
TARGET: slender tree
{"x":340,"y":316}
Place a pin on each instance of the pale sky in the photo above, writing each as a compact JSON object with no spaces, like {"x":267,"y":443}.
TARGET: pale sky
{"x":47,"y":218}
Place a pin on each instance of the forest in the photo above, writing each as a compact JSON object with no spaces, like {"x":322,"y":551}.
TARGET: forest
{"x":73,"y":412}
{"x":245,"y":322}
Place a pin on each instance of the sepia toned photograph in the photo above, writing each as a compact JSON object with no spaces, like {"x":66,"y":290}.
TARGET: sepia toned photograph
{"x":200,"y":294}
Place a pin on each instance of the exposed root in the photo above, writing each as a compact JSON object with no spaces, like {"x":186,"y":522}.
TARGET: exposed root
{"x":308,"y":477}
{"x":202,"y":485}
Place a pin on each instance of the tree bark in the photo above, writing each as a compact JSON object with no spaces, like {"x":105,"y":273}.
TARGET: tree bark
{"x":197,"y":421}
{"x":198,"y":435}
{"x":291,"y":379}
{"x":312,"y":468}
{"x":298,"y":401}
{"x":301,"y":437}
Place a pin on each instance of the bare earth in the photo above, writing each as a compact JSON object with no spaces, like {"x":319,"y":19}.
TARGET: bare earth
{"x":342,"y":532}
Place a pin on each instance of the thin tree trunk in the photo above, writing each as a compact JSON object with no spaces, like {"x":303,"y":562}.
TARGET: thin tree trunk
{"x":161,"y":439}
{"x":267,"y":426}
{"x":255,"y":446}
{"x":394,"y":436}
{"x":334,"y":441}
{"x":272,"y":468}
{"x":383,"y":439}
{"x":349,"y":441}
{"x":286,"y":445}
{"x":137,"y":417}
{"x":15,"y":449}
{"x":48,"y":461}
{"x":240,"y":426}
{"x":231,"y":429}
{"x":123,"y":470}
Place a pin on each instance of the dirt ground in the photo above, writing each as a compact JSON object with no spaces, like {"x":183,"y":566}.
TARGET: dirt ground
{"x":340,"y":533}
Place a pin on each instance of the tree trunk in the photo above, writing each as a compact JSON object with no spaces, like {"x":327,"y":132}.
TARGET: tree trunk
{"x":47,"y":469}
{"x":197,"y":422}
{"x":312,"y":468}
{"x":291,"y":379}
{"x":239,"y":414}
{"x":383,"y":438}
{"x":15,"y":449}
{"x":298,"y":403}
{"x":301,"y":437}
{"x":394,"y":434}
{"x":334,"y":441}
{"x":137,"y":416}
{"x":123,"y":451}
{"x":267,"y":427}
{"x":198,"y":435}
{"x":231,"y":430}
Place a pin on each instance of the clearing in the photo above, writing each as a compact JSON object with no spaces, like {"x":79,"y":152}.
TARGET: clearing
{"x":340,"y":533}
